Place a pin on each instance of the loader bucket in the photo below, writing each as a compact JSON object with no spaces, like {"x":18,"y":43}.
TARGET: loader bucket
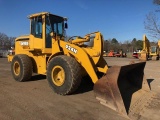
{"x":123,"y":88}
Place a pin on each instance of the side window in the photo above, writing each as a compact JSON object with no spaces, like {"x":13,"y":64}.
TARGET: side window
{"x":48,"y":27}
{"x":36,"y":27}
{"x":58,"y":28}
{"x":33,"y":26}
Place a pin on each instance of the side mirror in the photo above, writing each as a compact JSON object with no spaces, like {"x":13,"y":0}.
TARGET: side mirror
{"x":66,"y":25}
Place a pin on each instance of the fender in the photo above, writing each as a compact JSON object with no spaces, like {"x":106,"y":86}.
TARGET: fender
{"x":53,"y":55}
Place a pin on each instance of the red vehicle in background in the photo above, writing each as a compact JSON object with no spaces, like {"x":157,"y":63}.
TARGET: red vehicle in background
{"x":111,"y":54}
{"x":135,"y":55}
{"x":120,"y":53}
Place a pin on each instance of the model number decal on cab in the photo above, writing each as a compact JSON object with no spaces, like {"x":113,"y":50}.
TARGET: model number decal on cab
{"x":71,"y":49}
{"x":24,"y":43}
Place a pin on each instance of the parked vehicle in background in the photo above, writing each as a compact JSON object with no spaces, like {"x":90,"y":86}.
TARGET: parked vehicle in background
{"x":104,"y":54}
{"x":3,"y":53}
{"x":149,"y":51}
{"x":111,"y":53}
{"x":11,"y":52}
{"x":6,"y":52}
{"x":118,"y":54}
{"x":135,"y":55}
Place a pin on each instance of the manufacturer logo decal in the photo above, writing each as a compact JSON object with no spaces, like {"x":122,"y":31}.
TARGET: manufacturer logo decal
{"x":71,"y":49}
{"x":24,"y":43}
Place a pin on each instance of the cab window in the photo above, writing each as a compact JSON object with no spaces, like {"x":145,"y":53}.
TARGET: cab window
{"x":36,"y":27}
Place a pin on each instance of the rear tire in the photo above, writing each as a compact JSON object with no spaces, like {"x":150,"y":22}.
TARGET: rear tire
{"x":21,"y":67}
{"x":64,"y":74}
{"x":155,"y":57}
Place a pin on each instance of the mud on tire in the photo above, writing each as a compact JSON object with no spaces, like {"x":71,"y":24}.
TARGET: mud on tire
{"x":21,"y":67}
{"x":72,"y":74}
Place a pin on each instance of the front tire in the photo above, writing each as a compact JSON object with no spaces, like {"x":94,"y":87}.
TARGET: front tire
{"x":64,"y":74}
{"x":21,"y":67}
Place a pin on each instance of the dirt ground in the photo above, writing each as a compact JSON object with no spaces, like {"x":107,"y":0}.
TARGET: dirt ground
{"x":34,"y":99}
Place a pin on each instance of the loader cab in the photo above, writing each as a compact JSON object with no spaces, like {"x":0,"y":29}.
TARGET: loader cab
{"x":153,"y":49}
{"x":46,"y":27}
{"x":55,"y":28}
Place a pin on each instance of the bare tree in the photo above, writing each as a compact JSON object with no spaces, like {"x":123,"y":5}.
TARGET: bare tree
{"x":3,"y":38}
{"x":156,"y":2}
{"x":127,"y":46}
{"x":6,"y":42}
{"x":107,"y":45}
{"x":10,"y":42}
{"x":152,"y":25}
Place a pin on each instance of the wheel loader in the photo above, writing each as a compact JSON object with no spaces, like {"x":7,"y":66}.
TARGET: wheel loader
{"x":65,"y":61}
{"x":149,"y":51}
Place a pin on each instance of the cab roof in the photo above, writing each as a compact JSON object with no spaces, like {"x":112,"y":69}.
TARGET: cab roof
{"x":44,"y":13}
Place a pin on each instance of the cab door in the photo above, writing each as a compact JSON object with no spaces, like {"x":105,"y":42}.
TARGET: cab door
{"x":36,"y":36}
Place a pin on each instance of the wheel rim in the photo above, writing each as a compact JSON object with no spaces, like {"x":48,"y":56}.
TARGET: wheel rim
{"x":16,"y":68}
{"x":58,"y":75}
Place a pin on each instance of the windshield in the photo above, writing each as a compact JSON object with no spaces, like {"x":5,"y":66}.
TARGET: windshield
{"x":57,"y":24}
{"x":153,"y":49}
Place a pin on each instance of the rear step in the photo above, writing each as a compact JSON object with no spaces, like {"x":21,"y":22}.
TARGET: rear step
{"x":124,"y":89}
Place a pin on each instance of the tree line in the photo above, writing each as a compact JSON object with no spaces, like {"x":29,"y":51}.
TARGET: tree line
{"x":6,"y":42}
{"x":126,"y":46}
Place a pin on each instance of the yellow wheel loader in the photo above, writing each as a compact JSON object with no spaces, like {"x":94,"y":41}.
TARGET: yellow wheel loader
{"x":149,"y":51}
{"x":46,"y":51}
